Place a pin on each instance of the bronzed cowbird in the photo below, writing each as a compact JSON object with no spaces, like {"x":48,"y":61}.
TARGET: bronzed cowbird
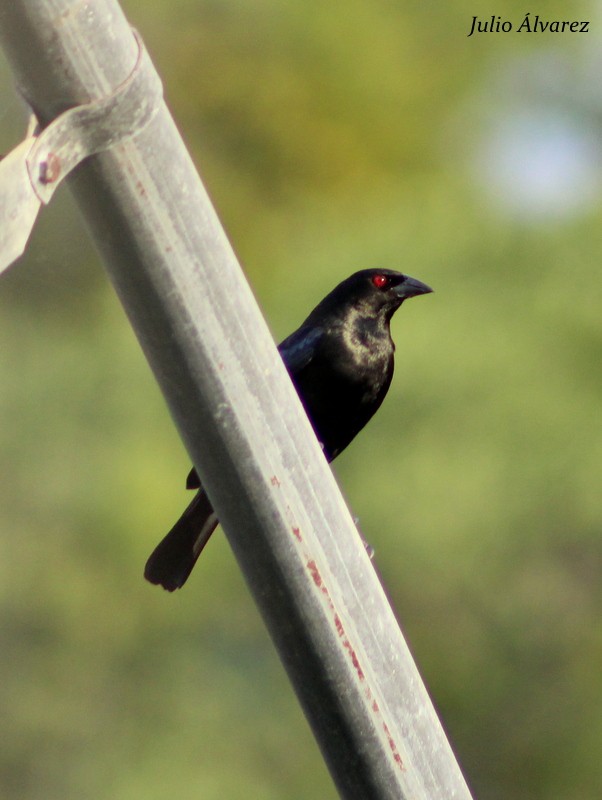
{"x":341,"y":363}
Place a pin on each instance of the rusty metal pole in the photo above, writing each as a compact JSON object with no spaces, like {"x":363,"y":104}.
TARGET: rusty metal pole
{"x":238,"y":415}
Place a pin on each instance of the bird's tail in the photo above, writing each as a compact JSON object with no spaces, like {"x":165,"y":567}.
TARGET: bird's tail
{"x":171,"y":562}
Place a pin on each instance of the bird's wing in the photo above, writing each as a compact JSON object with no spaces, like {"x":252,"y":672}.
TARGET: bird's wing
{"x":298,"y":349}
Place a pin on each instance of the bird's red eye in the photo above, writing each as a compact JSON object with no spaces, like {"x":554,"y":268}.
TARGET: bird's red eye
{"x":380,"y":281}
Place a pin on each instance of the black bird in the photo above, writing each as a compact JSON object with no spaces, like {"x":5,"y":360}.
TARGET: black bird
{"x":341,"y":362}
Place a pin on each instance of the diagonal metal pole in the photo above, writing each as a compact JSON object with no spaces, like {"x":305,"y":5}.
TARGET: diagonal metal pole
{"x":239,"y":416}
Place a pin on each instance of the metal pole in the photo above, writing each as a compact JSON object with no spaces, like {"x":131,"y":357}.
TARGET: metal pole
{"x":239,"y":416}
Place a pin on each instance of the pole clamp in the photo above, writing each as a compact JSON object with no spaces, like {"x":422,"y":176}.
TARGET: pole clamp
{"x":32,"y":172}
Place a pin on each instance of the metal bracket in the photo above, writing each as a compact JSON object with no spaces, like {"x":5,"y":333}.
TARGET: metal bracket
{"x":32,"y":172}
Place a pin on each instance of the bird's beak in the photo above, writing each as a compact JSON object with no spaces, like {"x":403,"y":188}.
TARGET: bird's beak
{"x":411,"y":287}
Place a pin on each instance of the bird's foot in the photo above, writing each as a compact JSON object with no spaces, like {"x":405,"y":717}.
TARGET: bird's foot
{"x":369,"y":549}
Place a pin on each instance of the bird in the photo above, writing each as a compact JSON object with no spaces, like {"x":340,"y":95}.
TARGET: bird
{"x":341,"y":361}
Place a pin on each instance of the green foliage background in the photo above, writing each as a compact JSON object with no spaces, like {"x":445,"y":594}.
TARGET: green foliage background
{"x":331,"y":137}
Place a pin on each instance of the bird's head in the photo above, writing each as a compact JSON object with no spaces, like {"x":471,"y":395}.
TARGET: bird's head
{"x":375,"y":292}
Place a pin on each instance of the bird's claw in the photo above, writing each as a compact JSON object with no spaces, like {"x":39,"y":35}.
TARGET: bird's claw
{"x":369,"y":549}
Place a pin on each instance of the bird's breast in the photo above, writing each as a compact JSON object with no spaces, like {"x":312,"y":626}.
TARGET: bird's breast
{"x":345,"y":380}
{"x":365,"y":349}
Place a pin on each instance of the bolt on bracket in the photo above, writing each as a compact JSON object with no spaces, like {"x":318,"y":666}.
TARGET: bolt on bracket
{"x":32,"y":172}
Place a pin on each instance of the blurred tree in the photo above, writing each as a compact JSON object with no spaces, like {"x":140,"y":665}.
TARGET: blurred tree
{"x":331,"y":139}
